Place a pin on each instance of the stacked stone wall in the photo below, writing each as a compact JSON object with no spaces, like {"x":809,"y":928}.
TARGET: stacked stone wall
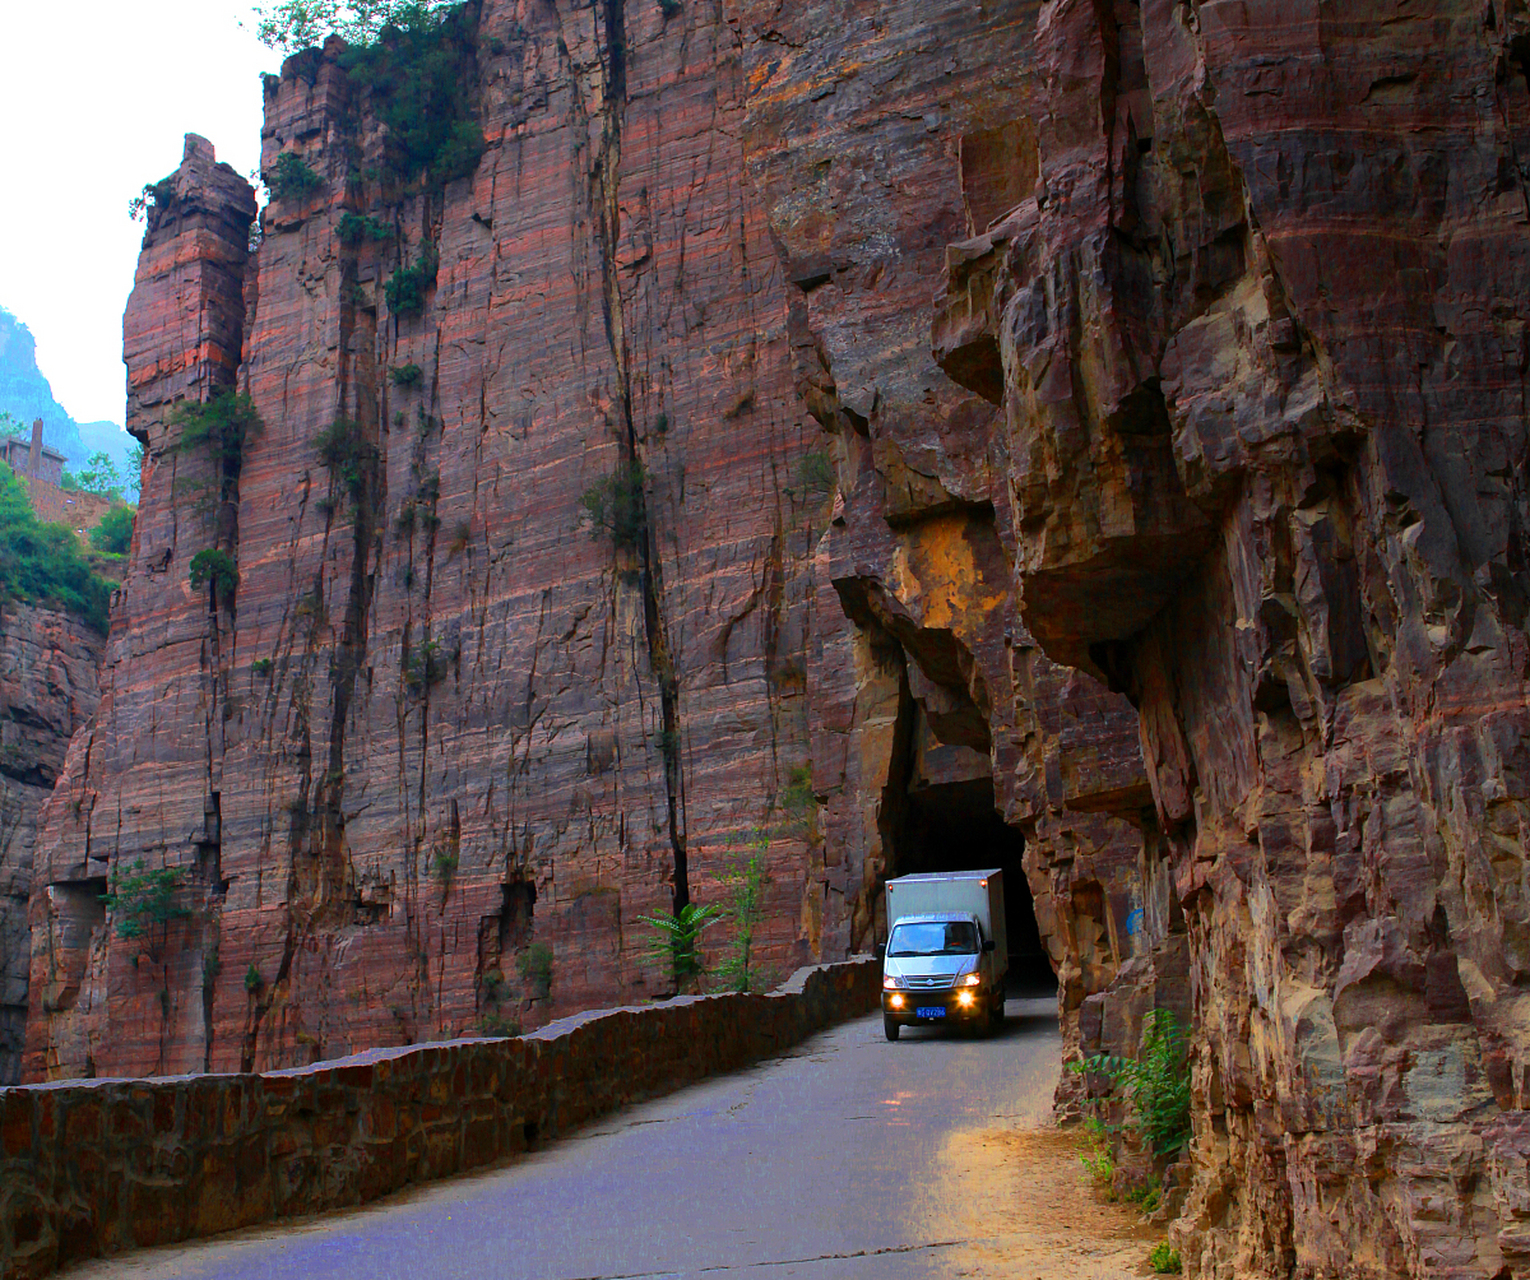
{"x":98,"y":1166}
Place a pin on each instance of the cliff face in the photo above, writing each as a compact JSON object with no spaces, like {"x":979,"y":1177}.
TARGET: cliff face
{"x":1257,"y":338}
{"x":1171,"y":558}
{"x":447,"y":720}
{"x":48,"y":667}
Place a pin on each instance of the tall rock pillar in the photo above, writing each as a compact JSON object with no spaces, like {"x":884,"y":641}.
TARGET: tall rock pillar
{"x":140,"y":786}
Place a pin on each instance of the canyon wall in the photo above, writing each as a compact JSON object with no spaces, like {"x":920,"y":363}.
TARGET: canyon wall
{"x":1257,"y":337}
{"x":48,"y":669}
{"x":881,"y":436}
{"x":424,"y":769}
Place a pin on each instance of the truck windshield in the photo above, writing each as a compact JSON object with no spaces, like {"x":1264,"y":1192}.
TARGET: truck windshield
{"x":951,"y":938}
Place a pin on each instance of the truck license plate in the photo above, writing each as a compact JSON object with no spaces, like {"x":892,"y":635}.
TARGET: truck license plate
{"x":931,"y":1011}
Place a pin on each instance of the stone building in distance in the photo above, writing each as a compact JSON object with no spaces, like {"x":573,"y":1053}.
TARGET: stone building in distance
{"x":34,"y":458}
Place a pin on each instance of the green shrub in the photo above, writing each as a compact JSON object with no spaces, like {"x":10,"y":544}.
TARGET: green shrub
{"x":261,"y":667}
{"x":1156,"y":1082}
{"x":223,"y":423}
{"x":444,"y":866}
{"x":291,"y":178}
{"x":1097,"y":1158}
{"x":405,"y":375}
{"x":114,"y":535}
{"x":295,"y":25}
{"x":140,"y":898}
{"x":215,"y":566}
{"x":426,"y":666}
{"x":673,"y":939}
{"x":797,"y":804}
{"x":420,"y":76}
{"x":350,"y":459}
{"x":407,"y":286}
{"x":744,"y":884}
{"x":358,"y":228}
{"x":817,"y":474}
{"x":43,"y":563}
{"x":492,"y":1024}
{"x":155,"y":195}
{"x":253,"y":982}
{"x":536,"y":969}
{"x":618,"y":507}
{"x":1165,"y":1259}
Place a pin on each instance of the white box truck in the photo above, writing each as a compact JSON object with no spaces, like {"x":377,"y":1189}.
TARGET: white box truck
{"x":946,"y":954}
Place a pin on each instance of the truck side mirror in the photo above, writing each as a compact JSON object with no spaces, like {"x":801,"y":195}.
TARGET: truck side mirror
{"x":989,"y":944}
{"x":880,"y":951}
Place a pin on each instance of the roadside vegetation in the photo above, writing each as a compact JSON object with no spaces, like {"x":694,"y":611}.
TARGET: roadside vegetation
{"x":1144,"y":1107}
{"x":673,"y":941}
{"x":1154,"y":1085}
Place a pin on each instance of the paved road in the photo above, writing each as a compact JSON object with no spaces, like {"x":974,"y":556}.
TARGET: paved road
{"x":832,"y":1163}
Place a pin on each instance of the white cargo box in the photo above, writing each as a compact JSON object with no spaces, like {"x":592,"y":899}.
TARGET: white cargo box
{"x":979,"y":893}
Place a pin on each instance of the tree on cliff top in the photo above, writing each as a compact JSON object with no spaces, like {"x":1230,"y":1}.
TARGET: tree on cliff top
{"x":300,"y":24}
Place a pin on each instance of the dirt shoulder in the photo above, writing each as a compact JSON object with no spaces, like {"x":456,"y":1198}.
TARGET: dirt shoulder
{"x":1032,"y":1212}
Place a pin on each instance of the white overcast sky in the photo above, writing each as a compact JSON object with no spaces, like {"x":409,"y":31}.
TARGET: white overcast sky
{"x":96,"y":97}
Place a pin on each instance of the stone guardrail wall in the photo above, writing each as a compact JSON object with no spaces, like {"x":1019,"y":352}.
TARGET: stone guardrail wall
{"x":90,"y":1167}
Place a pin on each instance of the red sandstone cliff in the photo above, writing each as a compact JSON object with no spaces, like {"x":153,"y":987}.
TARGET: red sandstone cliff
{"x":443,"y":719}
{"x":1192,"y":549}
{"x":1257,"y":338}
{"x":48,"y":668}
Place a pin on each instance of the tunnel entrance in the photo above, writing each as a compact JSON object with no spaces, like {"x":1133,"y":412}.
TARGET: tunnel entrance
{"x":939,"y":815}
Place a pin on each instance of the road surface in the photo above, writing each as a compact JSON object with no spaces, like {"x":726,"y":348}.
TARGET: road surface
{"x":849,"y":1157}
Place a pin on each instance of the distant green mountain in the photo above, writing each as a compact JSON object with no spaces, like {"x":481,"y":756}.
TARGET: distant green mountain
{"x":26,"y":395}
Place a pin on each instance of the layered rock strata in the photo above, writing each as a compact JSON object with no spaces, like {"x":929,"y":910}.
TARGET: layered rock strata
{"x":48,"y":668}
{"x":1188,"y":560}
{"x":1257,"y":338}
{"x":447,"y":742}
{"x":872,"y":152}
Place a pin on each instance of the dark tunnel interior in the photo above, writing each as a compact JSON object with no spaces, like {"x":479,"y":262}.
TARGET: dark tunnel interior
{"x":955,"y":827}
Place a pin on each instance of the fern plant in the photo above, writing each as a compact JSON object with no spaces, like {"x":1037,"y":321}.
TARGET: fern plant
{"x":673,"y":938}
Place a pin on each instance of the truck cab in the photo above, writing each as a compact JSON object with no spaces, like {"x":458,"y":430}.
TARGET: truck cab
{"x":944,"y":967}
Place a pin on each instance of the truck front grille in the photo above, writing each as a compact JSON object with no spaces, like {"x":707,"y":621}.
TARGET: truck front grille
{"x":935,"y":982}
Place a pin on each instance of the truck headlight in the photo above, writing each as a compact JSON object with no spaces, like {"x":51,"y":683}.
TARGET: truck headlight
{"x":892,"y":983}
{"x":970,"y":980}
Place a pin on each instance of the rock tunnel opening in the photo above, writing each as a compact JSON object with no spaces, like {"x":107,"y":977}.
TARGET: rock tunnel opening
{"x":939,"y":815}
{"x":955,"y":827}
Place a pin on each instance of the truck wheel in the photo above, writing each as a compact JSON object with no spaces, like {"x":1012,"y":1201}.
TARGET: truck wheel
{"x":996,"y":1014}
{"x":889,"y":1028}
